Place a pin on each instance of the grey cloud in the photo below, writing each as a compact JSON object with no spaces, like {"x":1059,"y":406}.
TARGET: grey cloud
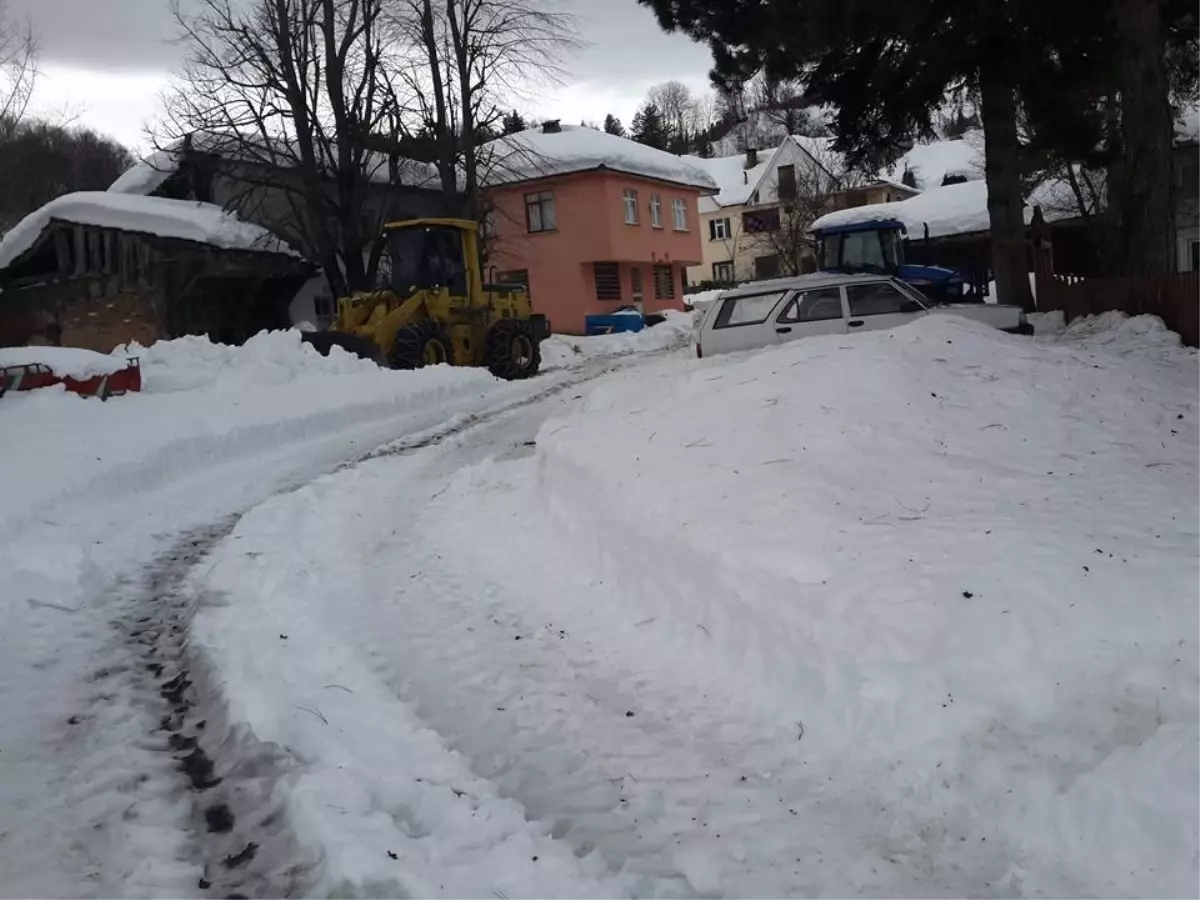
{"x":111,"y":35}
{"x":626,"y":45}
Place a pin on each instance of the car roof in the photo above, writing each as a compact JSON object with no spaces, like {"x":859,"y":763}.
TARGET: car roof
{"x":811,"y":280}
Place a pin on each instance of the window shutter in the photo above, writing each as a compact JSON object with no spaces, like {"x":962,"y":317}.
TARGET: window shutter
{"x":712,"y":229}
{"x":608,"y":280}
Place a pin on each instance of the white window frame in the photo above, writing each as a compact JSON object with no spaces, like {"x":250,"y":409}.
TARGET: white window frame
{"x":630,"y":198}
{"x":543,"y":202}
{"x":656,"y":211}
{"x":679,"y":214}
{"x":721,"y":229}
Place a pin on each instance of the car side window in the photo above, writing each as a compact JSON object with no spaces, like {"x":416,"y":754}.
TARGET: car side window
{"x":748,"y":310}
{"x":820,"y":305}
{"x":876,"y":298}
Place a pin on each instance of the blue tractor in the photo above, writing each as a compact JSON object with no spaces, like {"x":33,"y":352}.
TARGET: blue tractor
{"x":879,"y":247}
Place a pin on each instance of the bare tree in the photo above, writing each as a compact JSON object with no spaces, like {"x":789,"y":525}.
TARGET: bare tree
{"x":465,"y":62}
{"x":292,"y":98}
{"x":674,"y":101}
{"x":18,"y":70}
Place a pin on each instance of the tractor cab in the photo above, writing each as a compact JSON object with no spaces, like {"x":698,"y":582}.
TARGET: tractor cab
{"x":424,"y":257}
{"x":878,"y":247}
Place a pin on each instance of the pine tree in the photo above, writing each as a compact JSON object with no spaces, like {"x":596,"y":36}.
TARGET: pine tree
{"x":612,"y":125}
{"x":513,"y":122}
{"x":648,"y":127}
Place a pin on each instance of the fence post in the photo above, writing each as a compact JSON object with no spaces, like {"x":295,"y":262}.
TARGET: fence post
{"x":1043,"y":260}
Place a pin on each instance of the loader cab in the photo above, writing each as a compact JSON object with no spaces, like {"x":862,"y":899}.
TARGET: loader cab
{"x":426,"y":257}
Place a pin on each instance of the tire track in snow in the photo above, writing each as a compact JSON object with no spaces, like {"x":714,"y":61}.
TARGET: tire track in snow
{"x":240,"y":836}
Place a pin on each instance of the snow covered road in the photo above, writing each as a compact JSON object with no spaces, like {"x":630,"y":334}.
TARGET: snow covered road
{"x":906,"y":614}
{"x":105,"y":508}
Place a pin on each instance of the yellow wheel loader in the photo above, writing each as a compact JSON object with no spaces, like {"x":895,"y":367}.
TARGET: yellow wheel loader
{"x":436,"y":308}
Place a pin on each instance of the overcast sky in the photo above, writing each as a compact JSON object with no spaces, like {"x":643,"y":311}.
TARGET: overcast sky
{"x":105,"y":61}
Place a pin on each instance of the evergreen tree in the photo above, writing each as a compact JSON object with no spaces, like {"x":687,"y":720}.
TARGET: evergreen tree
{"x":648,"y":127}
{"x":513,"y":122}
{"x":612,"y":125}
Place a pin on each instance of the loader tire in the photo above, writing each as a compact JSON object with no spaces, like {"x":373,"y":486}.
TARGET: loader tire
{"x":512,"y":351}
{"x":420,"y":344}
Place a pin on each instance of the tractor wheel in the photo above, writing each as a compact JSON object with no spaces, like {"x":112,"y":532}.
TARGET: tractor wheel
{"x":512,"y":350}
{"x":420,"y":344}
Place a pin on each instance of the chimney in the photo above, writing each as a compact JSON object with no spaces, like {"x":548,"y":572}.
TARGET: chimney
{"x":552,"y":126}
{"x":751,"y":158}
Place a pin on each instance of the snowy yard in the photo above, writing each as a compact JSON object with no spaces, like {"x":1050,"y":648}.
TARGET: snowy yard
{"x":908,"y":613}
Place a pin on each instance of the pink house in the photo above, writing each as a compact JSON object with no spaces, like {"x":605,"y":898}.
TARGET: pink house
{"x":591,"y":222}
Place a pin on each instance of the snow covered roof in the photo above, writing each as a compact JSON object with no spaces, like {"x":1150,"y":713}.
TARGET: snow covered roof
{"x":147,"y":175}
{"x":534,"y":153}
{"x":181,"y":219}
{"x":734,"y":181}
{"x":949,"y":210}
{"x":931,"y":163}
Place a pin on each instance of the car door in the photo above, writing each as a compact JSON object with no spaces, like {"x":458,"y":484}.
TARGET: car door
{"x":815,"y":311}
{"x":741,"y":322}
{"x":877,"y":305}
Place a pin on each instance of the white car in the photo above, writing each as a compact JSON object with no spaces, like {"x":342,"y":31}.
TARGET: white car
{"x":771,"y":312}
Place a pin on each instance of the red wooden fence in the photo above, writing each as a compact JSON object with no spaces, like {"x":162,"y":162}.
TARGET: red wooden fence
{"x":1173,"y":298}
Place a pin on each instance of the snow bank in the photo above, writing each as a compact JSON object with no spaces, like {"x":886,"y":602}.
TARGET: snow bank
{"x":200,"y":402}
{"x":1115,"y":332}
{"x":267,"y":358}
{"x":69,"y":362}
{"x":924,"y":544}
{"x":566,"y":350}
{"x":182,"y":219}
{"x":535,"y":154}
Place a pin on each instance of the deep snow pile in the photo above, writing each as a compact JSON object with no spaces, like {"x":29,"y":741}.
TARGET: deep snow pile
{"x":199,"y":401}
{"x":566,"y":350}
{"x":1114,"y":332}
{"x":269,"y":357}
{"x":968,"y":563}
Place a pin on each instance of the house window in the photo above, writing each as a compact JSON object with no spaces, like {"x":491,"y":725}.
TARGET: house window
{"x":766,"y":267}
{"x":664,"y":283}
{"x":539,"y":212}
{"x":656,"y":210}
{"x":635,"y":284}
{"x":718,"y":229}
{"x":760,"y":222}
{"x":723,"y":272}
{"x":631,"y":208}
{"x":608,"y":280}
{"x":787,"y":183}
{"x":679,"y":213}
